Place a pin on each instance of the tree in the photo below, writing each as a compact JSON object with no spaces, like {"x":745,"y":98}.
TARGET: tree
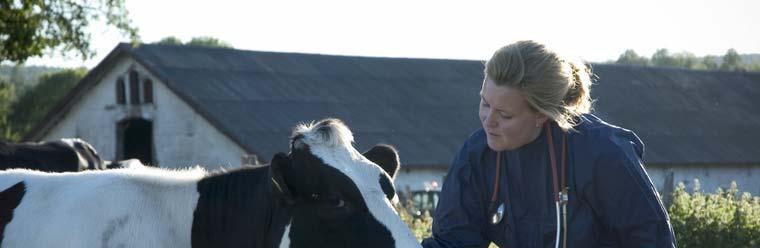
{"x":17,"y":77}
{"x":195,"y":41}
{"x":710,"y":62}
{"x":731,"y":61}
{"x":32,"y":106}
{"x":7,"y":96}
{"x":171,"y":40}
{"x":28,"y":28}
{"x":629,"y":57}
{"x":686,"y":60}
{"x":754,"y":67}
{"x":662,"y":58}
{"x":207,"y":41}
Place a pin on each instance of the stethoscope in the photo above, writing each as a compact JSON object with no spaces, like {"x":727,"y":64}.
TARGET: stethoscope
{"x":560,"y":201}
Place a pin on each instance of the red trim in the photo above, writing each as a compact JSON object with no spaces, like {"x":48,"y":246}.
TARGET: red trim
{"x":553,"y":160}
{"x":495,"y":193}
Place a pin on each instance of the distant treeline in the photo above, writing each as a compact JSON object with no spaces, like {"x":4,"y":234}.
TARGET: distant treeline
{"x":731,"y":61}
{"x":25,"y":76}
{"x":23,"y":103}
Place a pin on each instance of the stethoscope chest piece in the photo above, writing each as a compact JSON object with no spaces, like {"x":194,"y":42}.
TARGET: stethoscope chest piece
{"x":498,"y":215}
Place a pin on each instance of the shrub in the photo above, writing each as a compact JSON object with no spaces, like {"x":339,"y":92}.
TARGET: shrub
{"x":421,"y":225}
{"x":723,"y":219}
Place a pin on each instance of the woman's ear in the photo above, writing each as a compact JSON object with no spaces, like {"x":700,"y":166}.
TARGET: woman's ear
{"x":541,"y":119}
{"x":278,"y":167}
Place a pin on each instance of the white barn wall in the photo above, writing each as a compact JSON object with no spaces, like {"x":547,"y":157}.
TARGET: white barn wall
{"x":711,"y":177}
{"x":94,"y":116}
{"x":181,"y":136}
{"x":419,"y":179}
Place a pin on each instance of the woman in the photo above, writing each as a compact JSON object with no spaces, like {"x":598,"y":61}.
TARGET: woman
{"x":542,"y":171}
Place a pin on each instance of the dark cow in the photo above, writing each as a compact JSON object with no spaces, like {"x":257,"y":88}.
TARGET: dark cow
{"x":62,"y":155}
{"x":323,"y":193}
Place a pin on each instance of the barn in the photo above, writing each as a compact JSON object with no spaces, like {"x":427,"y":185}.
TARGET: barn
{"x":177,"y":106}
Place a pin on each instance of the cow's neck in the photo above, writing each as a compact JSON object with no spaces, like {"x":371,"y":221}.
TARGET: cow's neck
{"x":238,"y":209}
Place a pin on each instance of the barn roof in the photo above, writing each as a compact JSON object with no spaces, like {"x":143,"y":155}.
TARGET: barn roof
{"x":684,"y":116}
{"x":427,"y":107}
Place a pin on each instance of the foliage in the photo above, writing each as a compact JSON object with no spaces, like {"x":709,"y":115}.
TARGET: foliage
{"x":28,"y":28}
{"x":629,"y":57}
{"x":195,"y":41}
{"x":662,"y":58}
{"x":754,"y":67}
{"x":710,"y":62}
{"x":207,"y":41}
{"x":686,"y":60}
{"x":7,"y":96}
{"x":24,"y":77}
{"x":32,"y":106}
{"x":731,"y":61}
{"x":421,"y":226}
{"x":723,"y":219}
{"x":171,"y":40}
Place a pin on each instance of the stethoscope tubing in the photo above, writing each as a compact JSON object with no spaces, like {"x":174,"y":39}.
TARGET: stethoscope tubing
{"x":560,"y":194}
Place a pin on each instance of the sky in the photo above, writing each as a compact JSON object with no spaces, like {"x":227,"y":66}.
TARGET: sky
{"x":593,"y":30}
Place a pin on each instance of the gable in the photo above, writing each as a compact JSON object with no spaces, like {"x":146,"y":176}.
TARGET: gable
{"x":180,"y":136}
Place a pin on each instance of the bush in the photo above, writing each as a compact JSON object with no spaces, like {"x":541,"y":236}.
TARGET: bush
{"x":421,"y":225}
{"x":715,"y":220}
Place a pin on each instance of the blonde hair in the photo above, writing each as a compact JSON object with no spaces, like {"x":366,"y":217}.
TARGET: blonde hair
{"x":552,"y":85}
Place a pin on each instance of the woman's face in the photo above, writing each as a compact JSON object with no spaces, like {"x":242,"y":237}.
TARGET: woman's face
{"x":507,"y":118}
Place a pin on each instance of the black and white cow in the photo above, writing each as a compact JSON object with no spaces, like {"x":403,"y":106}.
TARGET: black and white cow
{"x":52,"y":156}
{"x":324,"y":193}
{"x":129,"y":163}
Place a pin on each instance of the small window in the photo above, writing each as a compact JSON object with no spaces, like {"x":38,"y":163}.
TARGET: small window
{"x":148,"y":91}
{"x":121,"y":98}
{"x":134,"y":88}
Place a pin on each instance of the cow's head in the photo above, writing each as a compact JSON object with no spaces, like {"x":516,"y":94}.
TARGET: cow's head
{"x":339,"y":196}
{"x":88,"y":157}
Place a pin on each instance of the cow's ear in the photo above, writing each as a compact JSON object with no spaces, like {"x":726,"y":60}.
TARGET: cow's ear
{"x":278,"y":167}
{"x":386,"y":157}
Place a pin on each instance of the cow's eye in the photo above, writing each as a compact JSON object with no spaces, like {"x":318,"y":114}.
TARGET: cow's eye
{"x":336,"y":202}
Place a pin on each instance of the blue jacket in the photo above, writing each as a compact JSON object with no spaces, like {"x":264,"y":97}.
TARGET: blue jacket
{"x":612,"y":202}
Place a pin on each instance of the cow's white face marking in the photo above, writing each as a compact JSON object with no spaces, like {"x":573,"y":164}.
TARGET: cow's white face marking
{"x":331,"y":141}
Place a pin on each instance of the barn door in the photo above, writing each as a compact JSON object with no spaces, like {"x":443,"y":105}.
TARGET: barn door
{"x":135,"y":140}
